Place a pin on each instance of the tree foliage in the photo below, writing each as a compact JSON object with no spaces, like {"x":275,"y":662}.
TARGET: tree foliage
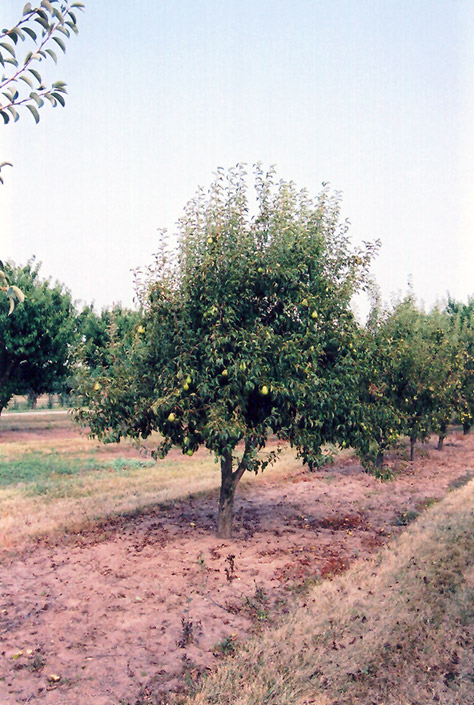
{"x":35,"y":343}
{"x":247,"y":332}
{"x":99,"y":332}
{"x":461,"y":316}
{"x":380,"y":420}
{"x":411,"y":377}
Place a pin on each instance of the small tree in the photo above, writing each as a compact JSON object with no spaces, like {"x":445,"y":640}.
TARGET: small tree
{"x":462,"y":325}
{"x":445,"y":360}
{"x":425,"y":371}
{"x":380,"y":419}
{"x":35,"y":343}
{"x":246,"y":332}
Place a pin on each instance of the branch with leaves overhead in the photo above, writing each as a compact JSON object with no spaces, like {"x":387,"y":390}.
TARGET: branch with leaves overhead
{"x":14,"y":294}
{"x":21,"y":84}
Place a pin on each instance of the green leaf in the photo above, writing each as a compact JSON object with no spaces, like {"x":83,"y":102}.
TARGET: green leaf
{"x":36,"y":75}
{"x":52,"y":54}
{"x":14,"y":34}
{"x":52,"y":100}
{"x":57,"y":13}
{"x":5,"y":116}
{"x":37,"y":99}
{"x":60,"y":43}
{"x":27,"y":9}
{"x":72,"y":26}
{"x":30,"y":32}
{"x":34,"y":112}
{"x":59,"y":98}
{"x":8,"y":47}
{"x":26,"y":79}
{"x":42,"y":21}
{"x":13,"y":113}
{"x":47,"y":5}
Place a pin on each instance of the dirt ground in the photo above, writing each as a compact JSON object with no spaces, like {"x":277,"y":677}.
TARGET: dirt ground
{"x":134,"y":609}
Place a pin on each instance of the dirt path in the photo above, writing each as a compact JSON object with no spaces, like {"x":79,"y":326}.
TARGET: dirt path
{"x":130,"y":610}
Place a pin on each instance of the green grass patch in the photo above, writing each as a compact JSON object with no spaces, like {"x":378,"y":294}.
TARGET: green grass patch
{"x":54,"y":474}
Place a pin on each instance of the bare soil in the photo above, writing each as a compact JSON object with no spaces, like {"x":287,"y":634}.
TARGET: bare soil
{"x":135,"y":610}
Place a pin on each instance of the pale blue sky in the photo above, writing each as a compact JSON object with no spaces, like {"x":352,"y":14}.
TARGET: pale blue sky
{"x":374,"y":96}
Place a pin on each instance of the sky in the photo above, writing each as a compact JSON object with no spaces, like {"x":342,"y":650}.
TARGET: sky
{"x":375,"y":97}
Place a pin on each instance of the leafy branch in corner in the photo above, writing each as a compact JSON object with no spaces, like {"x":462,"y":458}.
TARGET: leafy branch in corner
{"x":21,"y":84}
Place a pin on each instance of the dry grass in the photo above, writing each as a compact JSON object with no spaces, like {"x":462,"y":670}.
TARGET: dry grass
{"x":395,"y":630}
{"x":63,"y":484}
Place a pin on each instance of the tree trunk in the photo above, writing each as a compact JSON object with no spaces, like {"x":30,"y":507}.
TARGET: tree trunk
{"x":412,"y":449}
{"x":379,"y":459}
{"x":229,"y":481}
{"x":442,"y":435}
{"x":466,"y":427}
{"x":32,"y":400}
{"x":226,"y":499}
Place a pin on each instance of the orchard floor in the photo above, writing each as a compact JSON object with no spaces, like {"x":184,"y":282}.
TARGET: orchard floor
{"x":134,"y":610}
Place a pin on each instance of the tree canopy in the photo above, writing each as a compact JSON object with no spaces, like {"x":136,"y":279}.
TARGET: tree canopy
{"x":247,"y":331}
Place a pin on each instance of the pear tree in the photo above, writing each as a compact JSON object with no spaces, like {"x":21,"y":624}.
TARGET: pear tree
{"x":247,"y":332}
{"x":380,"y":420}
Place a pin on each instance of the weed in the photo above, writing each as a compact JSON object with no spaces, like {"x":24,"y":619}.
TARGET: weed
{"x":225,"y":647}
{"x":187,"y":633}
{"x":37,"y":662}
{"x":405,"y":518}
{"x":202,"y":562}
{"x":257,"y":604}
{"x":230,"y":571}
